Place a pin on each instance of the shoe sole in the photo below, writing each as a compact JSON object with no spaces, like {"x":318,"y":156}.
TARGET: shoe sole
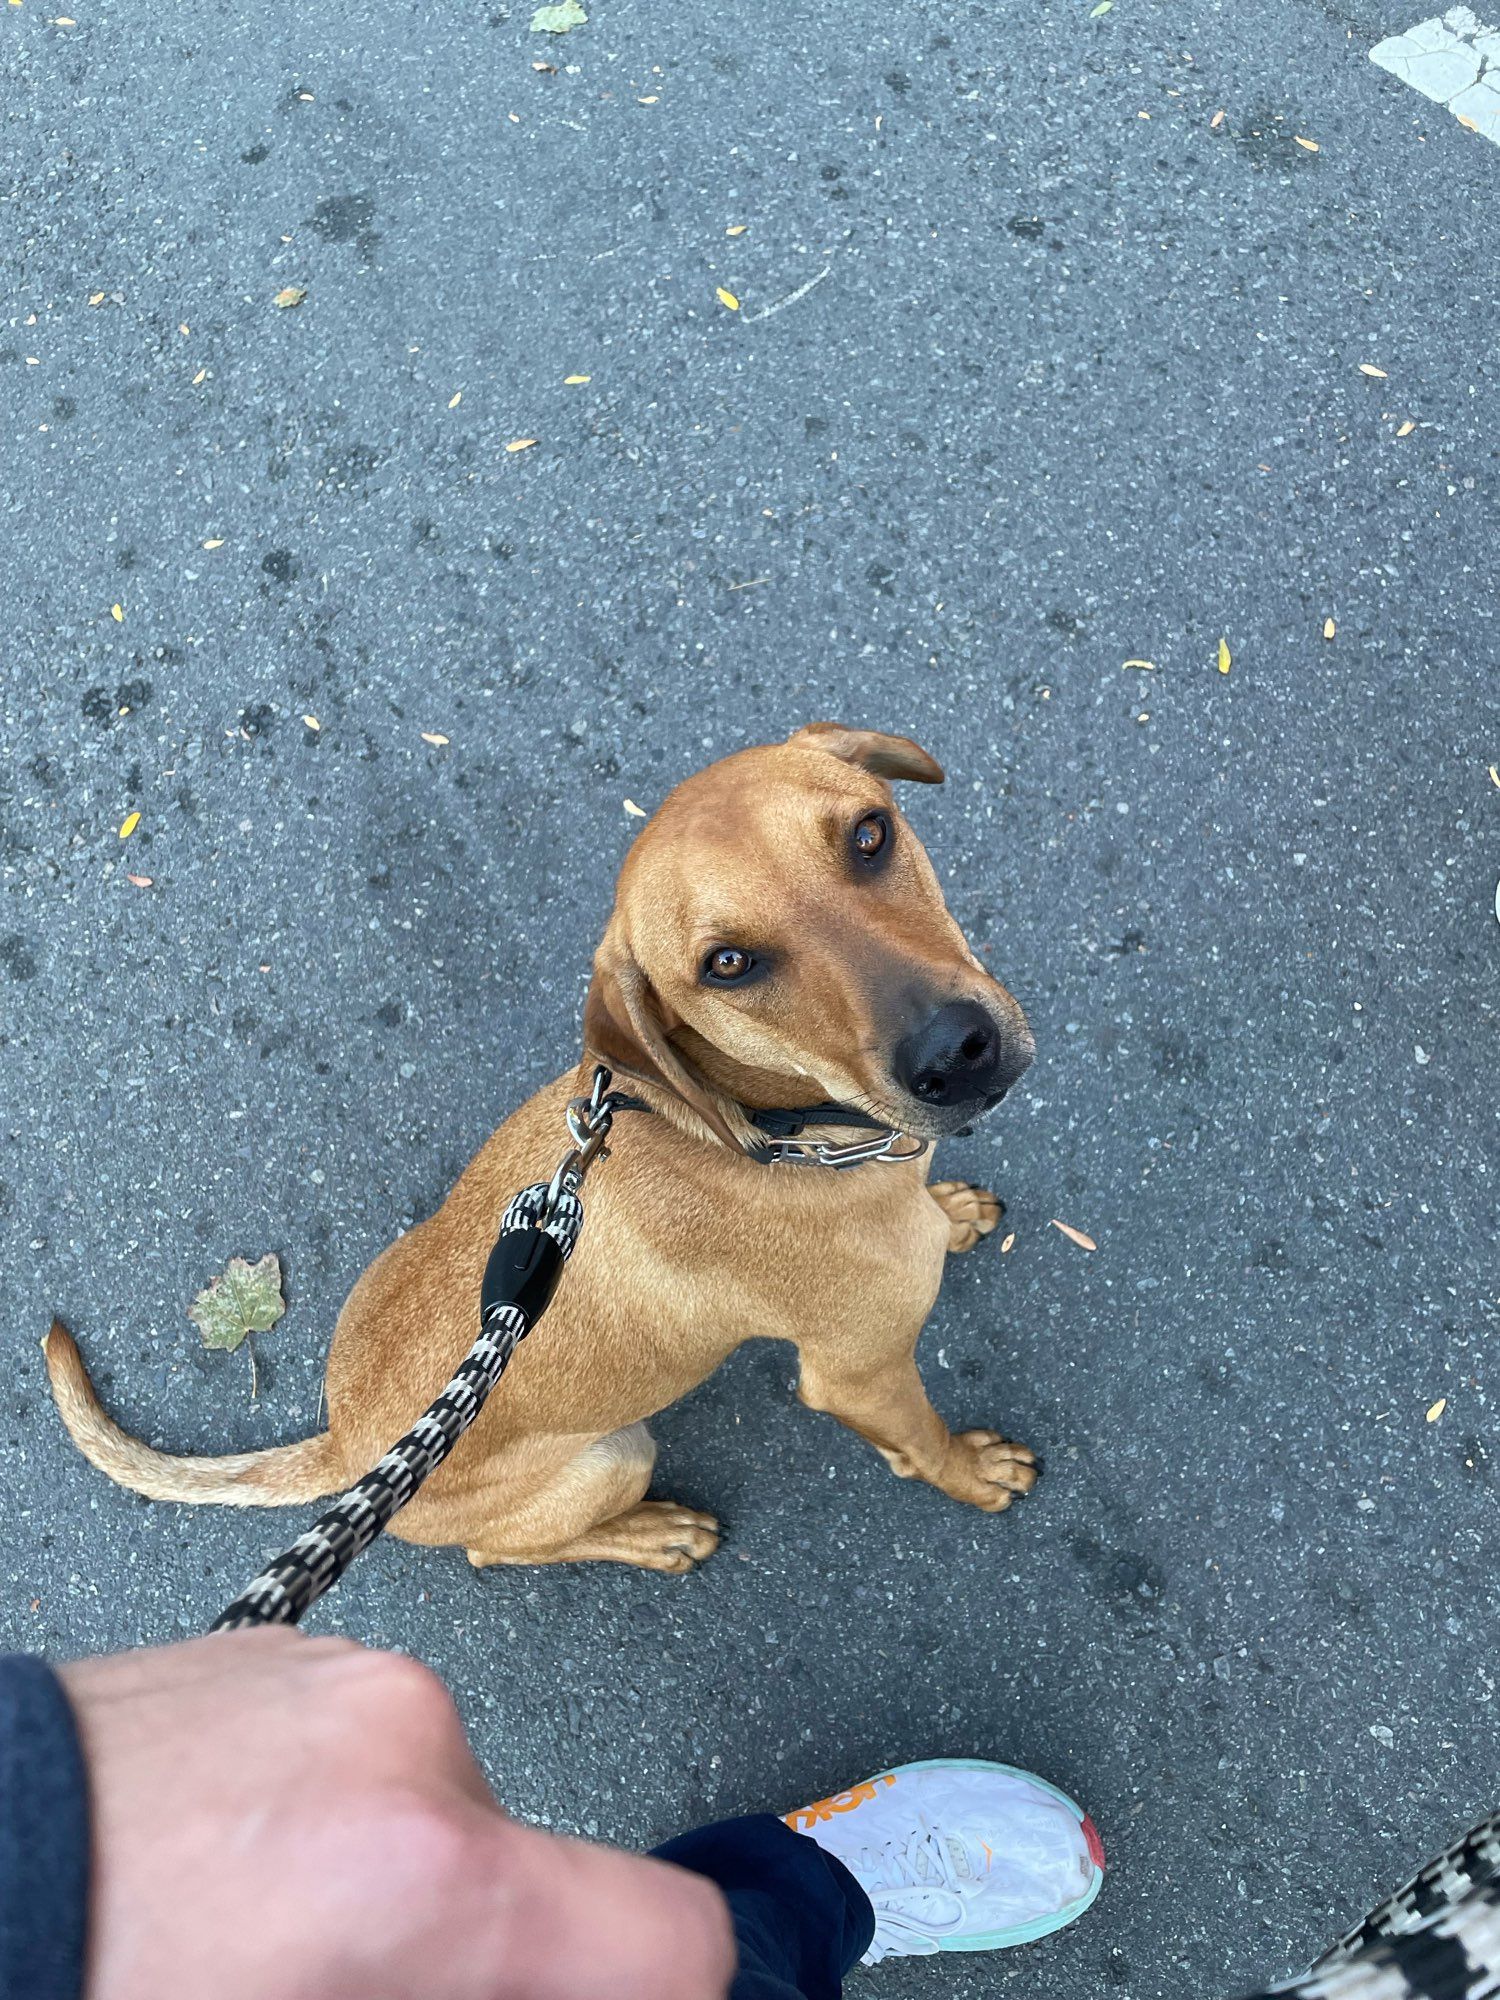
{"x":1039,"y":1927}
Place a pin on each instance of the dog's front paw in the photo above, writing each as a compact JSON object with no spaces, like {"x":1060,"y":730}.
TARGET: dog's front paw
{"x":989,"y":1471}
{"x":972,"y":1212}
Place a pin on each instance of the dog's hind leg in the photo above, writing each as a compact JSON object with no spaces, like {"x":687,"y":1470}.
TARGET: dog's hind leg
{"x":972,"y":1212}
{"x":594,"y":1510}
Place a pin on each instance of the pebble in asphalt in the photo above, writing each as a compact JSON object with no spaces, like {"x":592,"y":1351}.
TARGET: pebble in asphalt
{"x":1083,"y":378}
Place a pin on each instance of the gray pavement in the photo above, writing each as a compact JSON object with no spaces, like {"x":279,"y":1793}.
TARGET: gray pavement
{"x":1078,"y":382}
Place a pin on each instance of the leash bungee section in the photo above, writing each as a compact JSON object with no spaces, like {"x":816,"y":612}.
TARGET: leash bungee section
{"x":537,"y":1235}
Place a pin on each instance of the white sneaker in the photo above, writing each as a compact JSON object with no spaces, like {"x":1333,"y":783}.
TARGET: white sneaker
{"x":958,"y":1855}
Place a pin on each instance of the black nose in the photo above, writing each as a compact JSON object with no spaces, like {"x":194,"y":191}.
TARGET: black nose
{"x":958,"y":1057}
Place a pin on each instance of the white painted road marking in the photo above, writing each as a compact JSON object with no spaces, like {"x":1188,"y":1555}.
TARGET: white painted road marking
{"x":1455,"y":60}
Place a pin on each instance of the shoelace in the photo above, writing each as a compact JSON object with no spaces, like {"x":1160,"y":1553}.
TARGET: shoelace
{"x":916,"y":1888}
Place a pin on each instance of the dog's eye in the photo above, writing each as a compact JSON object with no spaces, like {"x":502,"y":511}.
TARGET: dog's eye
{"x":872,"y":836}
{"x":725,"y":964}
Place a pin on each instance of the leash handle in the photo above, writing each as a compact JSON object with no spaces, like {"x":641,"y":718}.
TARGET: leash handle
{"x":537,"y":1235}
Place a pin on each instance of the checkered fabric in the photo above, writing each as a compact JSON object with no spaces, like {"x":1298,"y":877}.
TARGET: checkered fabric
{"x":316,"y":1560}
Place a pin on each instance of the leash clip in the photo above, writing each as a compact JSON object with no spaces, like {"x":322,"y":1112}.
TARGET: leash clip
{"x":589,"y":1119}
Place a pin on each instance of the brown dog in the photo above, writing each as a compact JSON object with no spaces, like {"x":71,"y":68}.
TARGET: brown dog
{"x":778,"y":939}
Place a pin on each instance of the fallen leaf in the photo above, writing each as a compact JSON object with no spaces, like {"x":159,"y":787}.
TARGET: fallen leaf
{"x":1307,"y":145}
{"x":290,"y":295}
{"x":1103,"y":8}
{"x":726,"y":298}
{"x":1147,"y":666}
{"x":184,"y":329}
{"x":117,"y":612}
{"x":1216,"y":121}
{"x":216,"y":542}
{"x":244,"y":1298}
{"x":201,"y":376}
{"x":1437,"y":1409}
{"x":520,"y":444}
{"x":139,"y":881}
{"x":558,"y":20}
{"x":1008,"y":1245}
{"x":431,"y":736}
{"x":312,"y":722}
{"x":129,"y":824}
{"x":573,"y":381}
{"x":1075,"y":1235}
{"x":635,"y":811}
{"x":1225,"y":656}
{"x":547,"y":69}
{"x":96,"y":298}
{"x":1494,"y":776}
{"x":1406,"y":429}
{"x":736,"y":229}
{"x":1329,"y":628}
{"x":455,"y":399}
{"x":648,"y":100}
{"x":1469,"y":124}
{"x":1369,"y":368}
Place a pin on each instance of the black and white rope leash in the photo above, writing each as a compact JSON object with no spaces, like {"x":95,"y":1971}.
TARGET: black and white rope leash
{"x":537,"y":1234}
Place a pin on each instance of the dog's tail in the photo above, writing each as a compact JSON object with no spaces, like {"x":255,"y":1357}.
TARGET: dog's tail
{"x":276,"y":1478}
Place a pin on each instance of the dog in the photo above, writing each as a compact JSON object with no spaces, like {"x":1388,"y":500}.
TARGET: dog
{"x":779,"y":952}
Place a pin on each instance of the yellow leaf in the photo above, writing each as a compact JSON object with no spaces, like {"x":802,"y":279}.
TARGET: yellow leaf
{"x":1008,"y":1245}
{"x":736,"y":229}
{"x":455,"y":400}
{"x":95,"y":298}
{"x":520,"y":444}
{"x":635,"y":811}
{"x":1216,"y":121}
{"x":1437,"y":1409}
{"x":1329,"y":628}
{"x":290,"y":295}
{"x":572,"y":381}
{"x":1149,"y":666}
{"x":1307,"y":145}
{"x":1469,"y":124}
{"x":129,"y":824}
{"x":1224,"y":656}
{"x":1494,"y":776}
{"x":1075,"y":1235}
{"x":1406,"y":429}
{"x":217,"y":542}
{"x":117,"y":612}
{"x":312,"y":723}
{"x":648,"y":100}
{"x":1369,"y":368}
{"x":431,"y":736}
{"x":726,"y":298}
{"x":184,"y":329}
{"x":201,"y":376}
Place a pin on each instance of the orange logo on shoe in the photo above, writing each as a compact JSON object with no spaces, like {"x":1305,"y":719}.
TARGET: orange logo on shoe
{"x":841,"y":1802}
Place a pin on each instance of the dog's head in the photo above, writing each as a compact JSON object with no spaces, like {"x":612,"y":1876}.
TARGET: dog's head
{"x":779,"y":937}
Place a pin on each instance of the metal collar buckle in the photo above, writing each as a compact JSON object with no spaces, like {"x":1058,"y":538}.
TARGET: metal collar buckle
{"x":819,"y":1153}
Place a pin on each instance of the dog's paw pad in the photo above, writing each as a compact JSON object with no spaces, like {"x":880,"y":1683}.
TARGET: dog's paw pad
{"x":972,"y":1212}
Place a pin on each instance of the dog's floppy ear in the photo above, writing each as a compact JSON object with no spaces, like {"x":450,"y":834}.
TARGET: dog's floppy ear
{"x":624,"y":1026}
{"x":884,"y":756}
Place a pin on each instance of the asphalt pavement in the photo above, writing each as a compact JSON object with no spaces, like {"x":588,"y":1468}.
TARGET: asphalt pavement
{"x":1051,"y":350}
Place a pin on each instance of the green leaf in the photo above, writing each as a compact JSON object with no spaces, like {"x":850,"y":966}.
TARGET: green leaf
{"x":1103,"y":8}
{"x":245,"y":1298}
{"x":558,"y":20}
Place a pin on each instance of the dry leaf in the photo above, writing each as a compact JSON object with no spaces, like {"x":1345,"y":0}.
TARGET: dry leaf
{"x":1406,"y":429}
{"x":547,"y":69}
{"x":201,"y":376}
{"x":1469,"y":124}
{"x":129,"y":824}
{"x":216,"y":542}
{"x":312,"y":723}
{"x":1307,"y":145}
{"x":96,"y":298}
{"x":1494,"y":776}
{"x":245,"y":1298}
{"x":1329,"y":628}
{"x":520,"y":444}
{"x":1147,"y":666}
{"x":736,"y":229}
{"x":1225,"y":656}
{"x":1369,"y":368}
{"x":290,"y":295}
{"x":726,"y":298}
{"x":455,"y":399}
{"x":139,"y":881}
{"x":1216,"y":121}
{"x":573,"y":381}
{"x":117,"y":612}
{"x":431,"y":736}
{"x":1437,"y":1409}
{"x":648,"y":100}
{"x":1008,"y":1245}
{"x":1075,"y":1235}
{"x":635,"y":811}
{"x":560,"y":20}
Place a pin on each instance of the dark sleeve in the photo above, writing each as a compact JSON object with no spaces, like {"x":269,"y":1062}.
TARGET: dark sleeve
{"x":44,"y":1836}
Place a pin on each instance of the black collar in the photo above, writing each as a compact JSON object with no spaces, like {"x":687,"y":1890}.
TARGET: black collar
{"x":784,"y":1131}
